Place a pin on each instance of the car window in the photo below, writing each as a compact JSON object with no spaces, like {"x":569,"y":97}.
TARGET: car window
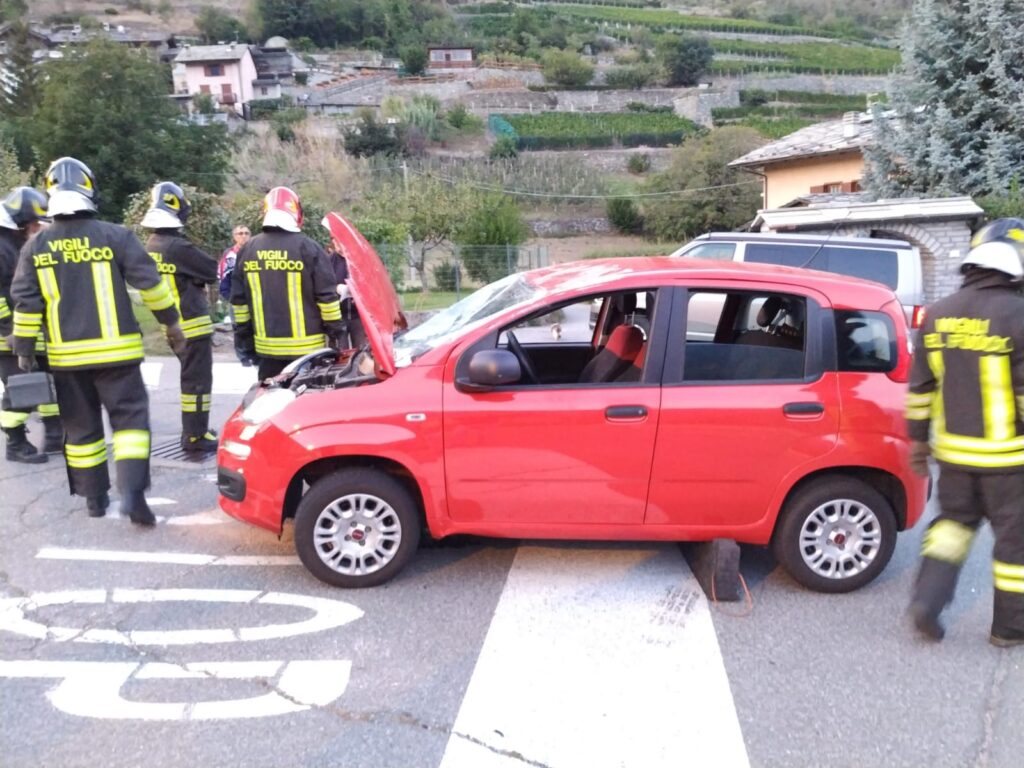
{"x":878,"y":264}
{"x":867,"y":341}
{"x":569,"y":323}
{"x":744,"y":336}
{"x":716,"y":251}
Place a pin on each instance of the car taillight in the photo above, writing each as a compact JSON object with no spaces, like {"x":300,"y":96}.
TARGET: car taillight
{"x":901,"y":371}
{"x":917,"y":317}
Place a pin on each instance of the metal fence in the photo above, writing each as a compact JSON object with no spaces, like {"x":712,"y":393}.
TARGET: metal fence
{"x":458,"y":269}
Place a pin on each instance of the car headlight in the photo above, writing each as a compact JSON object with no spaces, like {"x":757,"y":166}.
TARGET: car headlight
{"x":269,"y":404}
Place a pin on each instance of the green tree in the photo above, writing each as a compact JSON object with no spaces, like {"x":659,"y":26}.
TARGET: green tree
{"x":18,"y":97}
{"x":954,"y":123}
{"x":566,"y":68}
{"x":414,"y":59}
{"x":633,"y":77}
{"x":492,"y":221}
{"x":685,"y":58}
{"x":13,"y":10}
{"x":209,"y":225}
{"x":215,"y":25}
{"x":368,"y":137}
{"x":703,"y":192}
{"x":624,"y":215}
{"x":107,"y":105}
{"x":11,"y":174}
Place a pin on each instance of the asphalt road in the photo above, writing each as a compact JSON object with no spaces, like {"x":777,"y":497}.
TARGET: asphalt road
{"x":202,"y":642}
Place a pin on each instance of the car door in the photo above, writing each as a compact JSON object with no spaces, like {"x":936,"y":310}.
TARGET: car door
{"x":573,"y":454}
{"x":739,"y":416}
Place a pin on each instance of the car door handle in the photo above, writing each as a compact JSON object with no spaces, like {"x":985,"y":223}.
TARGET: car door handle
{"x":625,"y":412}
{"x":803,"y":409}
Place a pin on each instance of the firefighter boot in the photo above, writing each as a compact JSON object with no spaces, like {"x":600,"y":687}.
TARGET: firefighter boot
{"x":53,"y":441}
{"x":206,"y":443}
{"x":936,"y":583}
{"x":97,"y":505}
{"x":133,"y":504}
{"x":20,"y":449}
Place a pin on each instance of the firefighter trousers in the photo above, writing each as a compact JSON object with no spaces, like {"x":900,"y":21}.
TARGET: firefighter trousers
{"x":82,"y":395}
{"x":13,"y":418}
{"x":196,"y":385}
{"x":270,"y":366}
{"x":966,"y":499}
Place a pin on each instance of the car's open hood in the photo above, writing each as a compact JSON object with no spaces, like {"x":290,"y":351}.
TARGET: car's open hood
{"x":374,"y":295}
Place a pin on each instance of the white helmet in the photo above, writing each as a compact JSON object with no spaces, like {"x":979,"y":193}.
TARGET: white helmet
{"x":998,"y":255}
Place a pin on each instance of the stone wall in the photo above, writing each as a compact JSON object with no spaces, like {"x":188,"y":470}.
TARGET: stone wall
{"x":697,"y":104}
{"x":569,"y":227}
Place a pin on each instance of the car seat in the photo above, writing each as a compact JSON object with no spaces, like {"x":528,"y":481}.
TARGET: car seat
{"x":623,"y":347}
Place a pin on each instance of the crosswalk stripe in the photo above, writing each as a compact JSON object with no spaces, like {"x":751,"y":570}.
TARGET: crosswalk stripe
{"x":598,"y":657}
{"x":162,"y":558}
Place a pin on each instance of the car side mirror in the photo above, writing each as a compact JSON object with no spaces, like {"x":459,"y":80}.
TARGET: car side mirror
{"x":490,"y":368}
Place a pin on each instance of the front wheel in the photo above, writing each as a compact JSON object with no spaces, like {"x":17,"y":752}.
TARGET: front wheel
{"x":835,"y":535}
{"x":356,"y":528}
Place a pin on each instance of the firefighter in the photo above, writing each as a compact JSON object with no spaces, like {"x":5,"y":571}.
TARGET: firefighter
{"x":71,"y":281}
{"x":187,"y":270}
{"x":965,"y":408}
{"x":21,"y":215}
{"x":283,"y":290}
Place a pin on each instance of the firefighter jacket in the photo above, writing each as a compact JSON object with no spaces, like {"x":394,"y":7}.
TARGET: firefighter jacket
{"x":71,"y":283}
{"x":11,"y":242}
{"x":283,"y":295}
{"x":967,"y":380}
{"x":187,"y":270}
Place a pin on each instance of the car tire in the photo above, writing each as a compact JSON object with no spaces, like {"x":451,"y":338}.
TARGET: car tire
{"x":835,"y":535}
{"x":356,"y":528}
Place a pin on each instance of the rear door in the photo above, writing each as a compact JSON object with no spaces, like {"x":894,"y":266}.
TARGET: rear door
{"x":743,"y":411}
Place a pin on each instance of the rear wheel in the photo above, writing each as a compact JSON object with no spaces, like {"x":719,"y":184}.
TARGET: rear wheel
{"x":356,"y":528}
{"x":835,"y":535}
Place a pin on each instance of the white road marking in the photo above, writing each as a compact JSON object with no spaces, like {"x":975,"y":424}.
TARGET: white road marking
{"x":598,"y":657}
{"x":212,"y":517}
{"x":151,"y":374}
{"x":159,"y":501}
{"x":228,"y":378}
{"x":162,"y":558}
{"x":327,"y":614}
{"x":93,"y":688}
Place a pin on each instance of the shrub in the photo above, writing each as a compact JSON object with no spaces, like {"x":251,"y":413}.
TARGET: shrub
{"x":566,"y":68}
{"x":111,"y":11}
{"x":624,"y":216}
{"x":633,"y":77}
{"x":301,"y":78}
{"x":640,"y":163}
{"x":414,"y":59}
{"x":446,"y":276}
{"x":458,"y":116}
{"x":503,"y":149}
{"x":368,"y":137}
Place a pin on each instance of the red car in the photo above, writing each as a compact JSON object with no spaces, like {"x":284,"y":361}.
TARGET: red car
{"x":709,"y":400}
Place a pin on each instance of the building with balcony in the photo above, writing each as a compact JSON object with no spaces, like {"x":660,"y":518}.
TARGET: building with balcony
{"x":225,"y":72}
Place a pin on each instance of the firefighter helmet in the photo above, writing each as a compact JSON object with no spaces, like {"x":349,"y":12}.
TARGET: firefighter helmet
{"x":998,"y":245}
{"x":22,"y":206}
{"x":70,"y":186}
{"x":282,"y":209}
{"x":168,"y":207}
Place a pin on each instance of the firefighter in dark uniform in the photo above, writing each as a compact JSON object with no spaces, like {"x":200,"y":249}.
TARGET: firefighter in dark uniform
{"x":966,"y":409}
{"x":187,"y":270}
{"x":283,"y":290}
{"x":72,"y":282}
{"x":21,"y":216}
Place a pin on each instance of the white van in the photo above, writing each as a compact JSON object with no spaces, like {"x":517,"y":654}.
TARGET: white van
{"x":894,"y":263}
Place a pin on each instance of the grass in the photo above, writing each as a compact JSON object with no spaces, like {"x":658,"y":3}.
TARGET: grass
{"x":417,"y":301}
{"x":653,"y":249}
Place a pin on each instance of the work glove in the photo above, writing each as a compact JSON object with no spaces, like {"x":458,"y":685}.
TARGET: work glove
{"x":27,"y":363}
{"x":343,"y":292}
{"x":176,"y":338}
{"x":919,"y":453}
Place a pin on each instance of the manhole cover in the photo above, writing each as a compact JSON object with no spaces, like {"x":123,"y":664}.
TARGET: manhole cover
{"x":172,"y":451}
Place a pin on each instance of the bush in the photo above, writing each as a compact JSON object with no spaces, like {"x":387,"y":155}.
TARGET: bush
{"x":624,"y":216}
{"x":640,"y":163}
{"x":639,"y":106}
{"x":301,"y":78}
{"x":685,"y":58}
{"x":504,"y":149}
{"x":458,"y":116}
{"x":446,"y":276}
{"x":368,"y":137}
{"x":566,"y":68}
{"x":632,"y":78}
{"x":285,"y":120}
{"x":414,"y":59}
{"x":111,"y":11}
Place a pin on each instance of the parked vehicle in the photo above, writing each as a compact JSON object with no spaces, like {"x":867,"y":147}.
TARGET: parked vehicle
{"x":894,"y":263}
{"x":780,"y":425}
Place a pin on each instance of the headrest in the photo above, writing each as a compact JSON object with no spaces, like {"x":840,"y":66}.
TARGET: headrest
{"x":768,"y":311}
{"x":626,"y":302}
{"x":625,"y":341}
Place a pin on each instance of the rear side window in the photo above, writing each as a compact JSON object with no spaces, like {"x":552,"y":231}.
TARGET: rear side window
{"x":716,"y":251}
{"x":876,"y":264}
{"x":867,"y":341}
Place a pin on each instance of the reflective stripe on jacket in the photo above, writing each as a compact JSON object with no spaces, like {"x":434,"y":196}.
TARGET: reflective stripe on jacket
{"x":186,"y":270}
{"x":71,"y":283}
{"x":967,"y":382}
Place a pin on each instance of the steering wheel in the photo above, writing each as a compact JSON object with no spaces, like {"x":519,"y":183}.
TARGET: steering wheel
{"x":524,"y":362}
